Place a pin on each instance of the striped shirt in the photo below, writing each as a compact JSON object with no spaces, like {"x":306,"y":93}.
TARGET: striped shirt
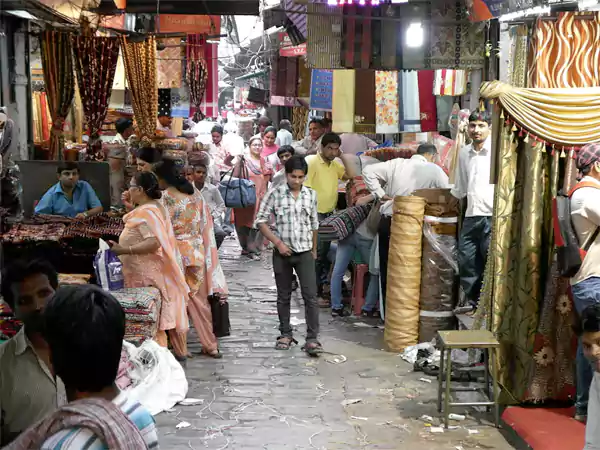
{"x":84,"y":438}
{"x":28,"y":390}
{"x":295,"y":218}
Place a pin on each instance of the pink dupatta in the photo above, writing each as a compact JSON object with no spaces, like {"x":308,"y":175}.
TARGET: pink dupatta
{"x":176,"y":285}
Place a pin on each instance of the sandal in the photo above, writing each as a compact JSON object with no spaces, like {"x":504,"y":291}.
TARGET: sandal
{"x":313,"y":348}
{"x":285,"y":342}
{"x":215,"y":354}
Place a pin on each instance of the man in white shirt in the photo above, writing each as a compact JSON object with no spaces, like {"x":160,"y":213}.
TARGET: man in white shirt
{"x":354,"y":143}
{"x":585,"y":285}
{"x":213,"y":199}
{"x":473,"y":183}
{"x":401,"y":177}
{"x":284,"y":135}
{"x":588,"y":330}
{"x":117,"y":159}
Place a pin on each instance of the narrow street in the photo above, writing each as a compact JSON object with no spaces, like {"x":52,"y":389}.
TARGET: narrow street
{"x":260,"y":398}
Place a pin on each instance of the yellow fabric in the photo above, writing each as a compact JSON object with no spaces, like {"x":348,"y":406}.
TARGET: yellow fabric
{"x":518,"y":260}
{"x":560,"y":116}
{"x":323,"y":178}
{"x":404,"y":274}
{"x":343,"y":101}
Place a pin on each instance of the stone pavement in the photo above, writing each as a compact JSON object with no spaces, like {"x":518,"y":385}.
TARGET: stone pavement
{"x":259,"y":398}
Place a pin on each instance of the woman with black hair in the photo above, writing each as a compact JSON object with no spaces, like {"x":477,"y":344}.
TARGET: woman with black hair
{"x":193,"y":226}
{"x":148,"y":249}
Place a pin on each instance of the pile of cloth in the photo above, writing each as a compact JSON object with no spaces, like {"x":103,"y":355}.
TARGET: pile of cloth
{"x":65,"y":279}
{"x":21,"y":233}
{"x":9,"y":326}
{"x":141,"y":306}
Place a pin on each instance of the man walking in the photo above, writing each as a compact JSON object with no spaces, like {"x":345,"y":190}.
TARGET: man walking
{"x":585,"y":285}
{"x":294,"y":207}
{"x":473,"y":183}
{"x":324,"y":173}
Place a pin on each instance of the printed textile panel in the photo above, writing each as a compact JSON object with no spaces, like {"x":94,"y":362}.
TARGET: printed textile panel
{"x":169,"y":64}
{"x":137,"y":298}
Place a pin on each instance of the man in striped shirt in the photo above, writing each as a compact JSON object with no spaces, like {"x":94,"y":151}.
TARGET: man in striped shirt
{"x":84,"y":327}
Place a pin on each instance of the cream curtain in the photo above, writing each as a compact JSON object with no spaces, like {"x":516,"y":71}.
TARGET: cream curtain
{"x":568,"y":117}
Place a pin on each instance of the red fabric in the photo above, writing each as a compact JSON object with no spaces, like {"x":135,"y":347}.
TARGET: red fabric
{"x":45,"y":122}
{"x":427,"y":104}
{"x":366,"y":48}
{"x":208,"y":54}
{"x":349,"y":36}
{"x":546,"y":428}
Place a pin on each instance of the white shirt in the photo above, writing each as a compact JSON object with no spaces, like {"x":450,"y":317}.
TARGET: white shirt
{"x":284,"y":137}
{"x":473,"y":179}
{"x":592,"y":428}
{"x":402,"y":177}
{"x":585,"y":215}
{"x":353,"y":143}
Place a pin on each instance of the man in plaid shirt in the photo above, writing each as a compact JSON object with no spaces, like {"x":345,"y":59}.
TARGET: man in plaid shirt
{"x":295,"y":238}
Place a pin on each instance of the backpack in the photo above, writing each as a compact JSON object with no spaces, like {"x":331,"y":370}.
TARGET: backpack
{"x":570,"y":254}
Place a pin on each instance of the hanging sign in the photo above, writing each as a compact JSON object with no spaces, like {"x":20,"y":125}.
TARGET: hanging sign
{"x":321,"y":89}
{"x":287,"y":49}
{"x":176,"y":23}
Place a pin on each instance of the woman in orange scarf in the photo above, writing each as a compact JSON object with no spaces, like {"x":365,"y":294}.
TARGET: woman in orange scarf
{"x":149,"y":252}
{"x":189,"y":213}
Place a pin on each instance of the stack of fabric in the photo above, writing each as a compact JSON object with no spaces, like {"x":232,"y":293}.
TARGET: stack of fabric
{"x":142,"y":307}
{"x":22,"y":233}
{"x":65,"y":279}
{"x":9,"y":326}
{"x":405,"y":151}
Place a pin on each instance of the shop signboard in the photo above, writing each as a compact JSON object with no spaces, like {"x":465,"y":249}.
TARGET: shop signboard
{"x":287,"y":49}
{"x":321,"y":89}
{"x":193,"y":24}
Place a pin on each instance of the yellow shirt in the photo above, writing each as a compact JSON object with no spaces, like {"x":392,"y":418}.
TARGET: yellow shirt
{"x":323,"y":178}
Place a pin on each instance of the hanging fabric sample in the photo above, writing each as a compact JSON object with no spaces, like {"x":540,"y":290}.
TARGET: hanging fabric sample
{"x":169,"y":64}
{"x":196,"y":73}
{"x":565,"y":52}
{"x":324,"y":36}
{"x":389,"y":32}
{"x":321,"y":90}
{"x":427,"y":105}
{"x":408,"y":93}
{"x":357,"y":42}
{"x":210,"y":100}
{"x":284,"y":73}
{"x":387,"y":105}
{"x":304,"y":74}
{"x":450,"y":82}
{"x":343,"y":101}
{"x":364,"y":102}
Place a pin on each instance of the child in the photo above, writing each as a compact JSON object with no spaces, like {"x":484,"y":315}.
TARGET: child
{"x":284,"y":153}
{"x":589,"y":332}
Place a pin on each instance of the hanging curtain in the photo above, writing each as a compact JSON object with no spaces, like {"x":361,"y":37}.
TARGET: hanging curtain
{"x":140,"y":66}
{"x":95,"y":66}
{"x":57,"y":62}
{"x":566,"y":52}
{"x":569,"y":117}
{"x":196,"y":72}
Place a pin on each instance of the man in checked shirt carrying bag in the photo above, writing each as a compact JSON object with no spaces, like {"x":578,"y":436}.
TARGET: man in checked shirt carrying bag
{"x":295,"y":239}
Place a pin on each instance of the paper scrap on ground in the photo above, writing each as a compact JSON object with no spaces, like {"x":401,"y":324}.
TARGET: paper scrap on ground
{"x":337,"y":359}
{"x":181,"y":425}
{"x":473,"y":431}
{"x":294,"y":321}
{"x":436,"y":429}
{"x":425,"y":380}
{"x":458,"y":417}
{"x":351,"y":401}
{"x":359,"y":418}
{"x":191,"y":401}
{"x":426,"y":418}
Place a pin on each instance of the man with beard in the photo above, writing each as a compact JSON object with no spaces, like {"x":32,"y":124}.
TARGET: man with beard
{"x":70,"y":197}
{"x":28,"y":388}
{"x":473,"y":183}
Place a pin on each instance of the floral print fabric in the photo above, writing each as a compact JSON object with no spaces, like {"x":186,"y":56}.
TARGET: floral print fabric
{"x":387,"y":112}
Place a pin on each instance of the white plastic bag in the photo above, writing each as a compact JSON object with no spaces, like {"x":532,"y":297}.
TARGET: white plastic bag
{"x":159,"y":381}
{"x":109,"y":269}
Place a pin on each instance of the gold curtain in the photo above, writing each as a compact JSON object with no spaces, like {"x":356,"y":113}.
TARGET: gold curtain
{"x":566,"y":51}
{"x":569,"y":117}
{"x":140,"y":66}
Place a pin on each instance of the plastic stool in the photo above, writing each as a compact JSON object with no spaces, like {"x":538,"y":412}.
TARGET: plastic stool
{"x":361,"y":271}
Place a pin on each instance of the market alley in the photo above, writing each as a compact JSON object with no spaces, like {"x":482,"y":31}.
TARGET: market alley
{"x":354,"y":396}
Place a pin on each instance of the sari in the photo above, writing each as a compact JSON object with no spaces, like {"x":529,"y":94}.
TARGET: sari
{"x":269,"y":154}
{"x":161,"y":269}
{"x":187,"y":214}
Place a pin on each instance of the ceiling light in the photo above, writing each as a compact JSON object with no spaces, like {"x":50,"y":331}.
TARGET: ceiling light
{"x":415,"y":35}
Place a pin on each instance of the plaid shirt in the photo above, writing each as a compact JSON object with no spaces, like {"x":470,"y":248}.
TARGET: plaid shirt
{"x":295,"y":219}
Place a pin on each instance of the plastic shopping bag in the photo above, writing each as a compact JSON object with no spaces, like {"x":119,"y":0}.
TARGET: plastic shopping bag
{"x":109,"y":269}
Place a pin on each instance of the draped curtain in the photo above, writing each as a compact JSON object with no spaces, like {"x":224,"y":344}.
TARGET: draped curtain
{"x":524,"y":301}
{"x":140,"y":67}
{"x":95,"y":66}
{"x":59,"y":79}
{"x":196,"y":72}
{"x":566,"y":52}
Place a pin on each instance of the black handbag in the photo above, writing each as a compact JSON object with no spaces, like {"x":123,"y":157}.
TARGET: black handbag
{"x":220,"y":316}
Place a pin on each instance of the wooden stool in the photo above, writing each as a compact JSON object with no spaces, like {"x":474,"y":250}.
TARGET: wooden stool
{"x":481,"y":339}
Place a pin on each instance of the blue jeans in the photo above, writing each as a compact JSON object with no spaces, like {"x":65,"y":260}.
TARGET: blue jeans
{"x":585,"y":293}
{"x":343,"y":256}
{"x":473,"y":245}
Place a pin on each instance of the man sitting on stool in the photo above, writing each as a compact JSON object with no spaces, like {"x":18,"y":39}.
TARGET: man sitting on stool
{"x":70,"y":197}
